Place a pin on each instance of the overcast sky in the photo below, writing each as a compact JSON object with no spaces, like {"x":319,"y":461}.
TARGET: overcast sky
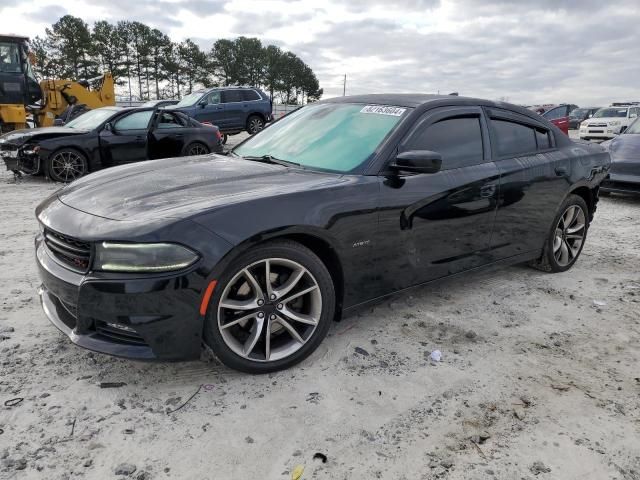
{"x":579,"y":51}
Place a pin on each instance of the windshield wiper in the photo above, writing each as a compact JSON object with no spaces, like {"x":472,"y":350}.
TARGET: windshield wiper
{"x":271,"y":159}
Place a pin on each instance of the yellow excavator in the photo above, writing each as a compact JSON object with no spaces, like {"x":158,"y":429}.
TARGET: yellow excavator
{"x":22,"y":97}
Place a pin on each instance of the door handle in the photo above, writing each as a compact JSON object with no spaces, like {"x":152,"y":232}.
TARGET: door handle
{"x":562,"y":171}
{"x":487,"y":191}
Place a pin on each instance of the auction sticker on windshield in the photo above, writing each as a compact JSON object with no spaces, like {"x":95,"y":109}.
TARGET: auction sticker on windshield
{"x":383,"y":110}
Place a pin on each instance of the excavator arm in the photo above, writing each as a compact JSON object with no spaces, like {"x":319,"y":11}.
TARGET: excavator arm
{"x":59,"y":94}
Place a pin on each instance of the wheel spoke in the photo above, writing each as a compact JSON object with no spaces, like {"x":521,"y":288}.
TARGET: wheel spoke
{"x":268,"y":278}
{"x":298,"y":317}
{"x":230,"y":304}
{"x":289,"y":328}
{"x":299,"y":294}
{"x":250,"y":343}
{"x":237,"y":321}
{"x":267,"y":340}
{"x":291,"y":282}
{"x":564,"y":253}
{"x":255,"y":286}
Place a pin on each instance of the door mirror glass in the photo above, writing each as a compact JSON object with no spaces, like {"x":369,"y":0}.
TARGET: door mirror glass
{"x":418,"y":161}
{"x":108,"y":127}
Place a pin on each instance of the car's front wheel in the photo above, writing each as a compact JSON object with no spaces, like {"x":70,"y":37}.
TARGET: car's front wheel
{"x":567,"y":236}
{"x":271,"y":308}
{"x":67,"y":165}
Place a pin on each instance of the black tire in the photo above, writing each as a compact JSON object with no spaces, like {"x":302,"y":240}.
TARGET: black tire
{"x":548,"y":261}
{"x":255,"y":123}
{"x":225,"y":137}
{"x":282,"y":249}
{"x":66,"y":165}
{"x":195,"y":148}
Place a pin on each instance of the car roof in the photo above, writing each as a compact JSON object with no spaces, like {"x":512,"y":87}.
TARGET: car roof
{"x":424,"y":101}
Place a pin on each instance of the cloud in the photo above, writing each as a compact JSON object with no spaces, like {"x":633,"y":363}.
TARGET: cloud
{"x":574,"y":51}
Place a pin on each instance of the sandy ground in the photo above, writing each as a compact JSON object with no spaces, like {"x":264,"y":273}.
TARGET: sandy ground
{"x":539,"y":378}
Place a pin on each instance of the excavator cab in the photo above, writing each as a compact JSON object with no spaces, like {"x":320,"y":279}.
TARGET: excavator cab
{"x":18,"y":84}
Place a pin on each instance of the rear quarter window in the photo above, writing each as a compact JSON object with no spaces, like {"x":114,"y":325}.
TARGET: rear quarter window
{"x":250,"y":95}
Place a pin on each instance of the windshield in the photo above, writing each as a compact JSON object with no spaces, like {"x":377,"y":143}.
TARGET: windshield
{"x":331,"y":136}
{"x":190,"y":99}
{"x":91,"y":119}
{"x":9,"y":58}
{"x":611,"y":112}
{"x":633,"y":128}
{"x":579,"y":112}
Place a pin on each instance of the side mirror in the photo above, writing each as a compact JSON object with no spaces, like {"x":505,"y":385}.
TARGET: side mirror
{"x":418,"y":161}
{"x":58,"y":122}
{"x":623,"y":129}
{"x":108,"y":127}
{"x":202,"y":103}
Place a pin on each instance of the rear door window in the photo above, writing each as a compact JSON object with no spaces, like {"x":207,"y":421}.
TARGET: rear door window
{"x":542,"y":139}
{"x":230,"y":96}
{"x":513,"y":139}
{"x":458,"y":140}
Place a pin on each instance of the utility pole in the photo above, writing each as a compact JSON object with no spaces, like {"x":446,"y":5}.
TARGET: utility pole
{"x":344,"y":85}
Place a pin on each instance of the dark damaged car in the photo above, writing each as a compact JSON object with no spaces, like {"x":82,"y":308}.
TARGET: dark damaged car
{"x":624,"y":174}
{"x":106,"y":137}
{"x":253,"y":255}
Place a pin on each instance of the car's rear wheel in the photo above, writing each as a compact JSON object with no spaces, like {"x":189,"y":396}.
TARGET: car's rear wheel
{"x":254,"y":124}
{"x":195,"y":148}
{"x":567,"y":236}
{"x":67,"y":165}
{"x":271,"y":308}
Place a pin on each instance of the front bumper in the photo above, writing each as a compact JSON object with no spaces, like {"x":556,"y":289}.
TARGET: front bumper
{"x":605,"y":132}
{"x":23,"y":163}
{"x":155,"y":317}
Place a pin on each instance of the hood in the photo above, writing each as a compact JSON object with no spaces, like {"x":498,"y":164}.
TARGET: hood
{"x":183,"y":187}
{"x":604,"y":120}
{"x":625,"y":147}
{"x":20,"y":137}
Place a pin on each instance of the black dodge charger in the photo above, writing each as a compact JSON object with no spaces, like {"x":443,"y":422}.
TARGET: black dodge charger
{"x":336,"y":205}
{"x":105,"y":137}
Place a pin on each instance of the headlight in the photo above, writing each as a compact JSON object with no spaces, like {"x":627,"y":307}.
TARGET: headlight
{"x":614,"y":124}
{"x":142,"y":257}
{"x":30,"y":149}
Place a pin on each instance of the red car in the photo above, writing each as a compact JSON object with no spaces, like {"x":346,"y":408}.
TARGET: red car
{"x":559,"y":116}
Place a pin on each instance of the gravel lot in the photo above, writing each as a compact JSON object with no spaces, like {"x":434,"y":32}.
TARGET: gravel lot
{"x":539,"y":378}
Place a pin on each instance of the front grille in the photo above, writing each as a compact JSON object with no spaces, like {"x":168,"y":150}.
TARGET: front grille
{"x":71,"y":252}
{"x":118,"y":334}
{"x":597,"y":125}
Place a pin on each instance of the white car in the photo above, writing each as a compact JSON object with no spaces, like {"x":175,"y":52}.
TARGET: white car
{"x":608,"y":122}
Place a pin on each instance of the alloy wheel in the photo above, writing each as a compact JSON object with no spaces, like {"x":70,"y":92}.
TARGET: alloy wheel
{"x":198,"y":149}
{"x":569,"y":235}
{"x":67,"y":166}
{"x":255,"y":125}
{"x":269,"y":310}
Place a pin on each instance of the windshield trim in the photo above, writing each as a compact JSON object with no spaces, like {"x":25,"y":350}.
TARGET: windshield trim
{"x":197,"y":95}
